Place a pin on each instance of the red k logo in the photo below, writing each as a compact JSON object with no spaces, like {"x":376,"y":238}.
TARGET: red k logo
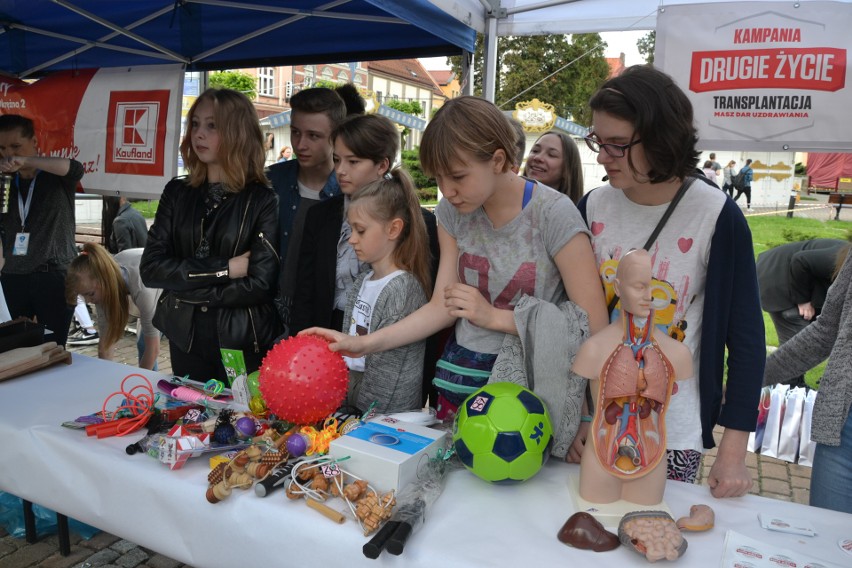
{"x":136,"y":129}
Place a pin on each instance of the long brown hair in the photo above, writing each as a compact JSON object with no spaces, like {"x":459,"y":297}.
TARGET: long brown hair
{"x":369,"y":136}
{"x":571,"y":172}
{"x":392,"y":198}
{"x":97,"y":264}
{"x":241,"y":151}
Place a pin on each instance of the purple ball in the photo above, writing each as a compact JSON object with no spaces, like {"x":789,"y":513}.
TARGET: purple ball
{"x":297,"y":445}
{"x":246,"y":427}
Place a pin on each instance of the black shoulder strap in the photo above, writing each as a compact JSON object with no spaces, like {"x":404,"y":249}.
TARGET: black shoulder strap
{"x":660,"y":224}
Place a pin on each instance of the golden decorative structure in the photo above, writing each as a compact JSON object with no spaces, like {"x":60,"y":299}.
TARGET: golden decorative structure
{"x":780,"y":166}
{"x":371,"y":103}
{"x":535,"y":116}
{"x":776,"y":177}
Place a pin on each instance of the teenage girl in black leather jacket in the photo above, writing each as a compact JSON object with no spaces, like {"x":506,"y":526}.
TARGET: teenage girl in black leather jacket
{"x":213,"y":245}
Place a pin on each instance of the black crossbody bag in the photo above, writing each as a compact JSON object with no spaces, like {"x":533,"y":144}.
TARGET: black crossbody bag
{"x":662,"y":223}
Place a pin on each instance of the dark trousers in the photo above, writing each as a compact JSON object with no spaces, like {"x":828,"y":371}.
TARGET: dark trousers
{"x":787,"y":324}
{"x":204,"y":359}
{"x":40,"y":296}
{"x":747,"y":191}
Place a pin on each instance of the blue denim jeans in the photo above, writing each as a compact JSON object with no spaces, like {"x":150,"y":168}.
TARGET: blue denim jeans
{"x":831,"y":478}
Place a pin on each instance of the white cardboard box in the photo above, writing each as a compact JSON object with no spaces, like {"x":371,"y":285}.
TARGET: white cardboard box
{"x":387,"y":452}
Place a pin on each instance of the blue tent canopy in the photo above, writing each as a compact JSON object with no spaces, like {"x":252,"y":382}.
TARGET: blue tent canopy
{"x":40,"y":36}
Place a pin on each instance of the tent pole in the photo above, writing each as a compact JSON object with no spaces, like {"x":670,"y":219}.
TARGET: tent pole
{"x":467,"y":73}
{"x":489,"y":79}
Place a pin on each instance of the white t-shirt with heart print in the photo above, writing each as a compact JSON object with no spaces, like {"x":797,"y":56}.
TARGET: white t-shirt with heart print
{"x":680,"y":256}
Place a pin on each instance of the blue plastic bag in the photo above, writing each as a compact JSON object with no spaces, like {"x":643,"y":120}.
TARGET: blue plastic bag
{"x":12,"y":519}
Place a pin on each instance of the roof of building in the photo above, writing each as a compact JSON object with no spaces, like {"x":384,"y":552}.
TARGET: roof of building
{"x":616,"y":65}
{"x":408,"y":70}
{"x":442,"y":76}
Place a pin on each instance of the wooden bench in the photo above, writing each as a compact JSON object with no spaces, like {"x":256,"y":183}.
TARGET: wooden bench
{"x":88,"y":235}
{"x":840,"y":201}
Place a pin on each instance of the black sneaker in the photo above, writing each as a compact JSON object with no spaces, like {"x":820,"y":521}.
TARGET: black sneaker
{"x":83,"y":337}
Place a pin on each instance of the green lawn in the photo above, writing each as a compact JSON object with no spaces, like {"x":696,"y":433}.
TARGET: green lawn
{"x":768,"y":232}
{"x":147,"y":208}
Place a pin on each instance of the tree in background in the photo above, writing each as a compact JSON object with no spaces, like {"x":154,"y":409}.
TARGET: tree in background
{"x":646,"y":45}
{"x":564,"y":71}
{"x":236,"y":80}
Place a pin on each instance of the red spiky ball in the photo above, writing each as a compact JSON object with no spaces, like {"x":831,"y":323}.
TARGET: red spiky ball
{"x":302,"y":381}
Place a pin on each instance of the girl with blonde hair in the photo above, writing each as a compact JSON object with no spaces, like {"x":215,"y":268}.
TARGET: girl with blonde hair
{"x":213,"y":247}
{"x":111,"y":283}
{"x":389,"y":234}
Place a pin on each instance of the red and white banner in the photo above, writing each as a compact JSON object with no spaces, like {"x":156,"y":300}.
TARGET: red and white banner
{"x":121,"y":123}
{"x":762,"y":75}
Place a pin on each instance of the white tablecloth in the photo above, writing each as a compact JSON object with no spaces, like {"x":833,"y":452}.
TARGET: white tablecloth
{"x":472,"y":524}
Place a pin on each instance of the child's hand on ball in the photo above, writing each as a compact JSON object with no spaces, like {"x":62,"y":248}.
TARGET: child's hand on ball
{"x":347,"y":345}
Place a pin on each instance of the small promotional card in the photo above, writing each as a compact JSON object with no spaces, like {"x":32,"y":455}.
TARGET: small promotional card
{"x":786,"y":524}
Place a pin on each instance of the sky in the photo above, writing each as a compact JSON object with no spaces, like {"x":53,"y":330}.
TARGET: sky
{"x":617,"y":42}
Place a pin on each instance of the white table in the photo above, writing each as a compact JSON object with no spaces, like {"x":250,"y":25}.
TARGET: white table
{"x":472,"y":524}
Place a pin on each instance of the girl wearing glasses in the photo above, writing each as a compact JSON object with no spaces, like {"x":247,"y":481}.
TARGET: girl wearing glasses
{"x":644,"y":135}
{"x":505,"y":242}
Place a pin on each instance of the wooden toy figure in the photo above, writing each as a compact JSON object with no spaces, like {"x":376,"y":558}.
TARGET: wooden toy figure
{"x":633,"y":371}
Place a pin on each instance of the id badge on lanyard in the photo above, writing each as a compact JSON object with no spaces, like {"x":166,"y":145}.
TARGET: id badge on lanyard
{"x":22,"y":239}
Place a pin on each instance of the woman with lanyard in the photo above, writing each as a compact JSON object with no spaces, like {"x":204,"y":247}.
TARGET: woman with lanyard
{"x":39,"y":227}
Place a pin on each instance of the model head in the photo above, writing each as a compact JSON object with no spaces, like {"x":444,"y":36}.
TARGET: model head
{"x":633,"y":282}
{"x":554,"y":160}
{"x":647,"y":122}
{"x":391,"y":203}
{"x":223,"y":140}
{"x":365,"y":148}
{"x":96,"y":277}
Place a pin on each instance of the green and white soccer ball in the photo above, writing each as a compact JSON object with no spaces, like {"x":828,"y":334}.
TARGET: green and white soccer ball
{"x":502,"y":433}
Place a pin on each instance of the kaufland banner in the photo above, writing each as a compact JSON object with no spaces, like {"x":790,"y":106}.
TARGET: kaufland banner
{"x":122,"y":124}
{"x":762,"y":75}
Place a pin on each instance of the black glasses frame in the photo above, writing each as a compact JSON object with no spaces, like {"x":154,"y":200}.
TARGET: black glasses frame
{"x":614,"y":150}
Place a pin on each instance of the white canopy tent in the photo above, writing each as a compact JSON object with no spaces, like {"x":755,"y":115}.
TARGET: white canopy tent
{"x":495,"y":18}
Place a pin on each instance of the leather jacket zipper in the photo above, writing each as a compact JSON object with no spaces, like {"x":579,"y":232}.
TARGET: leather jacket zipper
{"x":242,"y":224}
{"x":271,"y":248}
{"x":253,"y":331}
{"x":217,"y":274}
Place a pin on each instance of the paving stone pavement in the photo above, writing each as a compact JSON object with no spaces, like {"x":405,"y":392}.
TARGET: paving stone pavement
{"x":773,"y":478}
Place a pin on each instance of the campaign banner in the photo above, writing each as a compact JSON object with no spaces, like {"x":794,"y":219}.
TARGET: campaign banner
{"x":122,"y":124}
{"x":762,"y":75}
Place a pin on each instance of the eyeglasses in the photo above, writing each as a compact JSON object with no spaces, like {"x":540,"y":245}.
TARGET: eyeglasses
{"x":614,"y":150}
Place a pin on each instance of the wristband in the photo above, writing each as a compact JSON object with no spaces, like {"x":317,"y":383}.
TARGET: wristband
{"x":585,"y":419}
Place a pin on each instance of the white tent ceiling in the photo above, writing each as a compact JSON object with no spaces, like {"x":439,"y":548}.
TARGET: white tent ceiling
{"x":536,"y":17}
